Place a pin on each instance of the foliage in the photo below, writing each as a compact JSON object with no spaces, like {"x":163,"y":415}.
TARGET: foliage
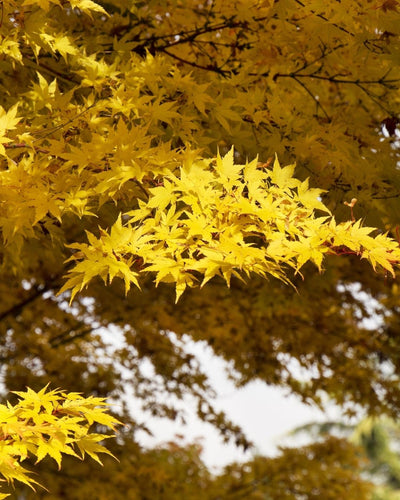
{"x":379,"y":440}
{"x":237,"y":218}
{"x":112,"y":113}
{"x":332,"y":468}
{"x":49,"y":423}
{"x":310,"y":472}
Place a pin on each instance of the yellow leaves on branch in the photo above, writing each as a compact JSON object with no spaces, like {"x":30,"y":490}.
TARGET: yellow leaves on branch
{"x":49,"y":423}
{"x":8,"y":121}
{"x":86,"y":6}
{"x":218,"y":218}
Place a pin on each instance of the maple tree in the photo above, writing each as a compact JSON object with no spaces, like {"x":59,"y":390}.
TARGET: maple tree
{"x":117,"y":122}
{"x":378,"y":437}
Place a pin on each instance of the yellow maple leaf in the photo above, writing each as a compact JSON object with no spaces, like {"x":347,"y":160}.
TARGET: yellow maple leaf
{"x":283,"y":177}
{"x":88,"y":6}
{"x":8,"y":121}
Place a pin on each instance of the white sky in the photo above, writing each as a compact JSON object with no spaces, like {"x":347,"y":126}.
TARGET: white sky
{"x":266,"y":414}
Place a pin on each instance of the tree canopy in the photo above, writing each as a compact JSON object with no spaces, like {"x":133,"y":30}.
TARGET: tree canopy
{"x":147,"y":157}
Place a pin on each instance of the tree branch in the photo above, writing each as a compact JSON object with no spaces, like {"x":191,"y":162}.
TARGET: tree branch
{"x":318,"y":104}
{"x":321,"y":16}
{"x":334,"y":79}
{"x":38,"y":292}
{"x":215,"y":69}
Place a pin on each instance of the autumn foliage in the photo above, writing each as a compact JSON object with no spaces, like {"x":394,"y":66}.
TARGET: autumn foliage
{"x":148,"y":187}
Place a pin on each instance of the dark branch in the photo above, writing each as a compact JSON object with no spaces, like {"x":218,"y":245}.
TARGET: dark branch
{"x":334,"y":79}
{"x":318,"y":104}
{"x":210,"y":67}
{"x":39,"y":290}
{"x":321,"y":16}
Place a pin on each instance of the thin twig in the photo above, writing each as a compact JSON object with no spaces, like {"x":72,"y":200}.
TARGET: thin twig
{"x":62,"y":125}
{"x":141,"y":187}
{"x":333,"y":79}
{"x":199,"y":66}
{"x":375,"y":99}
{"x":318,"y":104}
{"x":61,"y":76}
{"x":321,"y":16}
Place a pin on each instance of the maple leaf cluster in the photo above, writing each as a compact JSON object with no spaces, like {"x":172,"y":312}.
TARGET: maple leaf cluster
{"x":117,"y":121}
{"x":223,"y":219}
{"x":49,"y":423}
